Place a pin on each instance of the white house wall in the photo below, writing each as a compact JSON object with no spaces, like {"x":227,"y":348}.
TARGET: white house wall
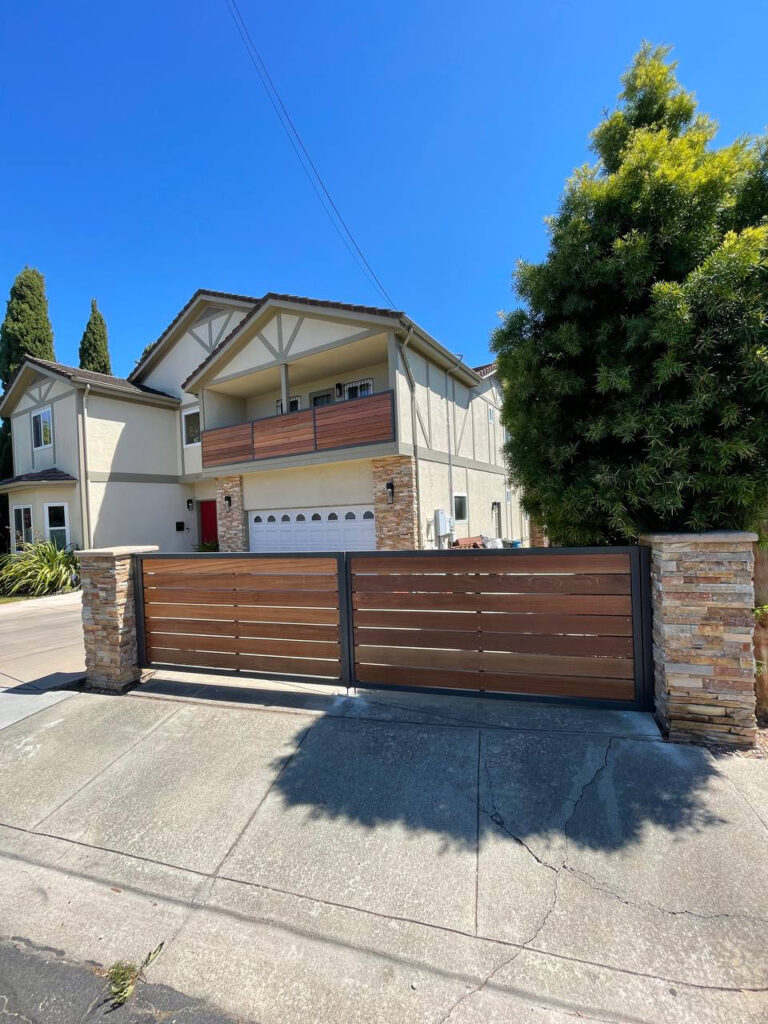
{"x":346,"y":483}
{"x":142,"y":513}
{"x":60,"y":398}
{"x":132,"y":438}
{"x":38,"y":497}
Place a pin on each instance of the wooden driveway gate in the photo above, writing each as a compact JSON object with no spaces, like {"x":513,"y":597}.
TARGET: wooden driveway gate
{"x":556,"y":623}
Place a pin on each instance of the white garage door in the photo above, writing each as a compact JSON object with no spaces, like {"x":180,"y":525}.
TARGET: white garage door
{"x":336,"y":528}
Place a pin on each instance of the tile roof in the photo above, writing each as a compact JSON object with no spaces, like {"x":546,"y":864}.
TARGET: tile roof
{"x":348,"y":307}
{"x":485,"y":370}
{"x":53,"y":476}
{"x":89,"y":377}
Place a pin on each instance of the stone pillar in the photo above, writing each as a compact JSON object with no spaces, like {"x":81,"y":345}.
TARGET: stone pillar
{"x":233,"y":529}
{"x":109,"y":617}
{"x":397,"y":527}
{"x":703,"y":624}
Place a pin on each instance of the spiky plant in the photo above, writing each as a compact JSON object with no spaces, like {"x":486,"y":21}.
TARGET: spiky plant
{"x":39,"y":568}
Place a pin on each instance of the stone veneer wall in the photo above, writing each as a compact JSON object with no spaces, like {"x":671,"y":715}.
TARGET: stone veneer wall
{"x":109,"y":617}
{"x":538,"y":535}
{"x":396,"y":524}
{"x":703,"y":624}
{"x":233,"y":530}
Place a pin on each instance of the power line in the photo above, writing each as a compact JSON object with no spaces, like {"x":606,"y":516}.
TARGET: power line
{"x":314,"y":177}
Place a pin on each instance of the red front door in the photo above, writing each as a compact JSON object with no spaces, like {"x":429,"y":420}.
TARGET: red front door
{"x":209,"y":528}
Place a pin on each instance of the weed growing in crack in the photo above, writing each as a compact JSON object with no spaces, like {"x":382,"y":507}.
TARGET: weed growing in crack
{"x":125,"y":975}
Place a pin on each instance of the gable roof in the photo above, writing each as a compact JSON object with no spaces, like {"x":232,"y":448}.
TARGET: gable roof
{"x":259,"y":304}
{"x":201,"y":293}
{"x":75,"y":375}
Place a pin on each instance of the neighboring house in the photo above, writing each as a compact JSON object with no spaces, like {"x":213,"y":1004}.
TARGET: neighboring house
{"x":267,"y":424}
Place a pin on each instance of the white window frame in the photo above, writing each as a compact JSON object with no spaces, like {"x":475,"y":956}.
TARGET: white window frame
{"x":291,"y":400}
{"x":46,"y":524}
{"x":357,"y":383}
{"x":39,"y":412}
{"x":13,"y":526}
{"x":460,"y":494}
{"x":190,"y":412}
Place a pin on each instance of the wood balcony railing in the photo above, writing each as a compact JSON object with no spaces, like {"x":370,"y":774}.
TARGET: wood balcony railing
{"x":360,"y":421}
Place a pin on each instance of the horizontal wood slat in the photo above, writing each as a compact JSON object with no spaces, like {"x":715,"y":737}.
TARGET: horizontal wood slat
{"x":283,"y":598}
{"x":241,"y":582}
{"x":245,"y":645}
{"x":486,"y":583}
{"x":536,"y":686}
{"x":506,"y":662}
{"x":501,"y":622}
{"x":227,"y":444}
{"x":290,"y":434}
{"x":360,"y":421}
{"x":215,"y":627}
{"x":591,"y":646}
{"x":256,"y":565}
{"x":243,"y":613}
{"x":486,"y":561}
{"x":571,"y":604}
{"x":246,"y":663}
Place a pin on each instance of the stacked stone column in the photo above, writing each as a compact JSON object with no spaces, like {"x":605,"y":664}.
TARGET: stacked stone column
{"x":397,"y":527}
{"x":109,"y":617}
{"x":703,"y":626}
{"x":230,"y":514}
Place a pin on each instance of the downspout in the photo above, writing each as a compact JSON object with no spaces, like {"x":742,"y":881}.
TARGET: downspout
{"x":452,"y":404}
{"x":86,"y":484}
{"x":414,"y":430}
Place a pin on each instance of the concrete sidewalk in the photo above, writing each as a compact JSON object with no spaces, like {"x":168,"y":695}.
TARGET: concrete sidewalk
{"x":309,"y":857}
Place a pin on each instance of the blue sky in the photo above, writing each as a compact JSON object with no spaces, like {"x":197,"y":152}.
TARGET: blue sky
{"x":141,"y":158}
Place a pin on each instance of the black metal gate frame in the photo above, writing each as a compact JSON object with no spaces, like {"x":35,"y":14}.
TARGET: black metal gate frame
{"x":640,"y":593}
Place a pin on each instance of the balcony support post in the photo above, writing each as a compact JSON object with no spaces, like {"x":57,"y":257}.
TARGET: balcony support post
{"x":285,"y":387}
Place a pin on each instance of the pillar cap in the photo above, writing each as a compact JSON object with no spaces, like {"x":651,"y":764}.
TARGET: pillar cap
{"x":711,"y":537}
{"x":119,"y":552}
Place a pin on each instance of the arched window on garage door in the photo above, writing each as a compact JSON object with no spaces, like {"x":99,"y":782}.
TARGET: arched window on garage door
{"x":367,"y":515}
{"x":332,"y":517}
{"x":316,"y":517}
{"x":350,"y":515}
{"x":271,"y":519}
{"x":301,"y":518}
{"x":257,"y":519}
{"x":285,"y":519}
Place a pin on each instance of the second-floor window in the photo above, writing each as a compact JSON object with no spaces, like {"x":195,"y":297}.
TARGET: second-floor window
{"x":42,"y":429}
{"x":294,"y":404}
{"x":358,"y":388}
{"x":191,"y":427}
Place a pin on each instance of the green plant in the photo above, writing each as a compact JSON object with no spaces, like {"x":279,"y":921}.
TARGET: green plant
{"x":636,"y":373}
{"x":94,"y":345}
{"x":761,"y":613}
{"x":125,"y":975}
{"x":39,"y":568}
{"x":207,"y":545}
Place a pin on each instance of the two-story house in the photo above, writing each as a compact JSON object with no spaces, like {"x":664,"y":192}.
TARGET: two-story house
{"x":267,"y":424}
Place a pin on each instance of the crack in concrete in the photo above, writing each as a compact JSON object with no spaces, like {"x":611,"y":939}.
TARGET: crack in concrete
{"x":11,"y":1015}
{"x":479,"y":988}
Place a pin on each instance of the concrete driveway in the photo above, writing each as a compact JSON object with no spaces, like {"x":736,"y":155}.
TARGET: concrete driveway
{"x":311,"y":857}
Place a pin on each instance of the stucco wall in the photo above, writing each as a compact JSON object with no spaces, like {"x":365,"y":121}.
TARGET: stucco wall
{"x":38,"y":497}
{"x":188,"y":352}
{"x":141,"y":513}
{"x":63,"y":453}
{"x":132,"y":437}
{"x":345,"y":483}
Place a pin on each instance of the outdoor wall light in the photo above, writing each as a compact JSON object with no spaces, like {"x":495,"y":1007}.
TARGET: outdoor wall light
{"x":339,"y":390}
{"x":390,"y":492}
{"x":190,"y":504}
{"x":228,"y":501}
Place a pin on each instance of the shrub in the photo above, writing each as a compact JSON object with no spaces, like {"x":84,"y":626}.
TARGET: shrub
{"x":39,"y":568}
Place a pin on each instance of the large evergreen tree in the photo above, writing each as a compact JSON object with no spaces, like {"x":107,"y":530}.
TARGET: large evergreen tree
{"x":636,"y":371}
{"x":94,"y":345}
{"x":26,"y":330}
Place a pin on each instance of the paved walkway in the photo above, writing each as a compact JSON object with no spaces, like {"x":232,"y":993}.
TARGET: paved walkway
{"x":314,"y":857}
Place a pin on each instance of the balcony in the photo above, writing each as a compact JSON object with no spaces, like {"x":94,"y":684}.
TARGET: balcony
{"x":360,"y":421}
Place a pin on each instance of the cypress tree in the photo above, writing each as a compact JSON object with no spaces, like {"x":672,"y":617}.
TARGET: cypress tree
{"x":94,"y":345}
{"x":636,"y":370}
{"x":26,"y":330}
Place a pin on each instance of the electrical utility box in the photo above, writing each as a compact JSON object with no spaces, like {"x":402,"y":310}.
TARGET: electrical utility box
{"x":442,"y":525}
